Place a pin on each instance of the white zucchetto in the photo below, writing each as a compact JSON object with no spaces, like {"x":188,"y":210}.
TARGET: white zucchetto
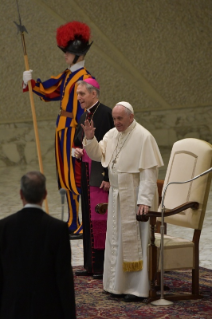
{"x":127,"y":105}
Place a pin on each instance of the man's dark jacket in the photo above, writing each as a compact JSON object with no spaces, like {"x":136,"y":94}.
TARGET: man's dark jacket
{"x":36,"y":279}
{"x":103,"y":122}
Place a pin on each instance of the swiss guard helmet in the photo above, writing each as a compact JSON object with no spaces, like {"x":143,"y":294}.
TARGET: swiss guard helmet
{"x":74,"y":37}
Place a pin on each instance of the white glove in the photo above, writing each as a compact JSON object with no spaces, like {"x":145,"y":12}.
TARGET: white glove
{"x":27,"y":76}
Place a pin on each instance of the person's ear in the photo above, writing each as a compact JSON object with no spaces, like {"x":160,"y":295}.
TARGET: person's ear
{"x":21,"y":194}
{"x":45,"y":194}
{"x":94,"y":93}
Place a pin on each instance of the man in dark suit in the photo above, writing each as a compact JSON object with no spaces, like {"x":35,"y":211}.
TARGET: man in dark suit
{"x":36,"y":279}
{"x":94,"y":181}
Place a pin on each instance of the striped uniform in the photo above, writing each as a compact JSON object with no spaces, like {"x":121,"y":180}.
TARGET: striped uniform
{"x":63,"y":88}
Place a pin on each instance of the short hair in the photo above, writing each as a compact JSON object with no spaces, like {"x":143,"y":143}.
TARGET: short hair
{"x":33,"y":186}
{"x":89,"y":87}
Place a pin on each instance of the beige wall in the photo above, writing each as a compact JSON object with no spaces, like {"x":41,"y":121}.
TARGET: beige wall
{"x":156,"y":54}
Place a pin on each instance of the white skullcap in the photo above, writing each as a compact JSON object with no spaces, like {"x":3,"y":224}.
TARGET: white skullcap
{"x":127,"y":105}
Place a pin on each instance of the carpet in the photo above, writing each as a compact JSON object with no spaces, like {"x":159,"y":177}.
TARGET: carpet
{"x":92,"y":302}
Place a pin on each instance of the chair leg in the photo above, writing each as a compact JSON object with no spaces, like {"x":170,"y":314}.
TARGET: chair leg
{"x":152,"y":259}
{"x":152,"y":271}
{"x":195,"y":271}
{"x":195,"y":281}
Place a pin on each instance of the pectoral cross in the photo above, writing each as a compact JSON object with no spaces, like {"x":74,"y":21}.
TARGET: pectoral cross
{"x":114,"y":161}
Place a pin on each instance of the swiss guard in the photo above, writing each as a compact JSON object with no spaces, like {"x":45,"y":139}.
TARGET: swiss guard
{"x":73,"y":39}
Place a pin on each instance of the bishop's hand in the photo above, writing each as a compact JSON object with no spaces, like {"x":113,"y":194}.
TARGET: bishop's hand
{"x":88,"y":129}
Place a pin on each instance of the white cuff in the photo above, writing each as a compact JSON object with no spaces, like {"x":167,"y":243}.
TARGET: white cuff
{"x":24,"y":85}
{"x":86,"y":142}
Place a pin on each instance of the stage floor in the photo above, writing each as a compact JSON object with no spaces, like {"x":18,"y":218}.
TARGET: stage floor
{"x":10,"y":203}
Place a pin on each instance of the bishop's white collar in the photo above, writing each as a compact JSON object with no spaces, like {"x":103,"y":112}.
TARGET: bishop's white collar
{"x":89,"y":109}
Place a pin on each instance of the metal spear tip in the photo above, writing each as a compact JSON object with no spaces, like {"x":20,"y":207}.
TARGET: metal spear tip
{"x":21,"y":28}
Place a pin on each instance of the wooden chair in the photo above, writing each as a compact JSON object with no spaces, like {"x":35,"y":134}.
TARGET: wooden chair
{"x":185,"y":206}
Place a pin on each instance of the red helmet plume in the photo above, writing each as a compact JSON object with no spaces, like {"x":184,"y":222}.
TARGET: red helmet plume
{"x":72,"y":31}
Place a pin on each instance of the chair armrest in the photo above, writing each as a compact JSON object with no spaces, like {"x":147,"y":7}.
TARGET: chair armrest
{"x":101,"y":208}
{"x":169,"y":212}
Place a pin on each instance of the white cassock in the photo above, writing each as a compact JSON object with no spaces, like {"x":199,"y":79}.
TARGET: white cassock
{"x":132,"y":157}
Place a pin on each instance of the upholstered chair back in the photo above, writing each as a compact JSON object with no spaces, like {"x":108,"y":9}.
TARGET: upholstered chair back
{"x":189,"y":158}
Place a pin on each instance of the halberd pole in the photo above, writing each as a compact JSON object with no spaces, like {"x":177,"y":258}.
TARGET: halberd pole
{"x":22,"y":29}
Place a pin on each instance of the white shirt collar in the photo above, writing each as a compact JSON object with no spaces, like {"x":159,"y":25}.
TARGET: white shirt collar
{"x":33,"y":205}
{"x":77,"y":66}
{"x":89,"y":109}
